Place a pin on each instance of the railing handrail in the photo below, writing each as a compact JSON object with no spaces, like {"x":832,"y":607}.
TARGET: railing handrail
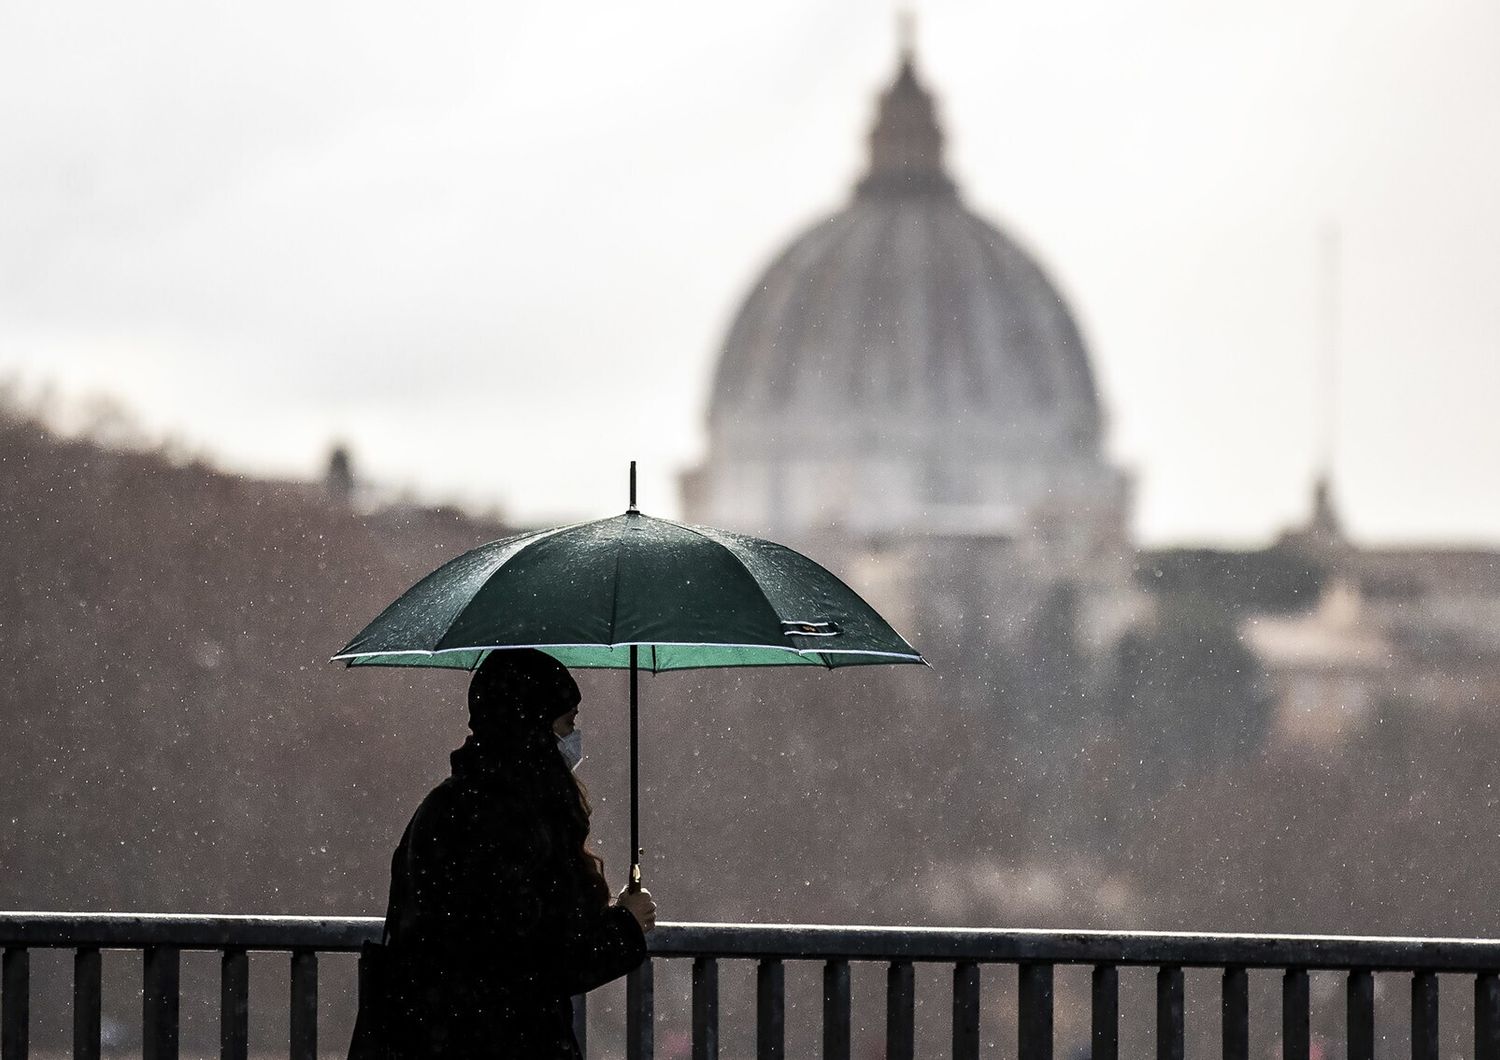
{"x":799,"y":942}
{"x":188,"y":931}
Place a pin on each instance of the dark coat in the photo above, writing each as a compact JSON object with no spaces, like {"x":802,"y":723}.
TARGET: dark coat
{"x":496,"y":917}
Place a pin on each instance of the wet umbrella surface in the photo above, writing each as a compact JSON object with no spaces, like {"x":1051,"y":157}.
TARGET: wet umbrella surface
{"x":631,"y":592}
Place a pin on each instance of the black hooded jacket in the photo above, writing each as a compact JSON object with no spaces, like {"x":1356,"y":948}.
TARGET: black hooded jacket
{"x":496,"y":915}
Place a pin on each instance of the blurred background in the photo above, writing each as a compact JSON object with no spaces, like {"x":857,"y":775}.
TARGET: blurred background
{"x":217,"y":212}
{"x":1138,"y":363}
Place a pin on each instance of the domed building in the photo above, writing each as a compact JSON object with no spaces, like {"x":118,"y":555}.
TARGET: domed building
{"x":905,"y":394}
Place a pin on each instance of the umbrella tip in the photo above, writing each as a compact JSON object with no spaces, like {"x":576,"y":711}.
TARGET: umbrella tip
{"x":632,"y":507}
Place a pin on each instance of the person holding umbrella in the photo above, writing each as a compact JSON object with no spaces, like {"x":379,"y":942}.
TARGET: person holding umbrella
{"x":631,"y":592}
{"x":499,"y":912}
{"x":635,"y":593}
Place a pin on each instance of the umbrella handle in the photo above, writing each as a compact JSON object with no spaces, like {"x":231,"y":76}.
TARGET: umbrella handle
{"x":635,"y":873}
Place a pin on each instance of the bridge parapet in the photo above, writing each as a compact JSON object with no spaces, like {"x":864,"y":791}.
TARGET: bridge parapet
{"x":161,"y":938}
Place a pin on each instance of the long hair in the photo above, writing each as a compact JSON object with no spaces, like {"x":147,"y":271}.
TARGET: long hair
{"x":592,"y":862}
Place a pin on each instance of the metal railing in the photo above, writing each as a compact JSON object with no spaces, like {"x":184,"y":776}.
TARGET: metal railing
{"x":162,"y":938}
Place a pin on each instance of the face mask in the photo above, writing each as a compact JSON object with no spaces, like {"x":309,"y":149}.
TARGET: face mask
{"x":571,"y":748}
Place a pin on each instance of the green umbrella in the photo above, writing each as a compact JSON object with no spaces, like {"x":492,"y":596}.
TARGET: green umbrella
{"x":631,"y":592}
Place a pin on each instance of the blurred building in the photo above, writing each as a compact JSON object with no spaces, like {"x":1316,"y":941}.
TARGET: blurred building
{"x":905,"y":394}
{"x":1415,"y":627}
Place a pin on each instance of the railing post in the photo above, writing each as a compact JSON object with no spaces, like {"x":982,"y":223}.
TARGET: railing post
{"x":836,"y":1010}
{"x":1424,"y":1016}
{"x":162,"y":975}
{"x":15,"y":1003}
{"x":86,"y":998}
{"x":770,"y":1010}
{"x":705,"y":1008}
{"x":581,"y":1022}
{"x":304,"y":1036}
{"x":1106,"y":1013}
{"x":1169,"y":1036}
{"x":1360,"y":1015}
{"x":1034,"y":1021}
{"x":234,"y":1004}
{"x":900,"y":1011}
{"x":1236,"y":1014}
{"x":966,"y":1011}
{"x":1487,"y":1016}
{"x":640,"y":1005}
{"x":1296,"y":1039}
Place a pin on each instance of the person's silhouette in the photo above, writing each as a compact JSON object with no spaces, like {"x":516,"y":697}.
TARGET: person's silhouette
{"x":499,"y":912}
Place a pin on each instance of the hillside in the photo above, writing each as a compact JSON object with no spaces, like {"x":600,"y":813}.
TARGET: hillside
{"x":175,"y":737}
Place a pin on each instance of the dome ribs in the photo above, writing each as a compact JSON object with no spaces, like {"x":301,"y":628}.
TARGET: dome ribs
{"x":745,"y":376}
{"x":818,"y":323}
{"x":976,"y":353}
{"x":1022,"y":367}
{"x":916,"y":336}
{"x":1051,"y":340}
{"x":873,"y":348}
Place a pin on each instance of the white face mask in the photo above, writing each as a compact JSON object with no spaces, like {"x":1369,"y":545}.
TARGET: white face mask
{"x":571,"y":748}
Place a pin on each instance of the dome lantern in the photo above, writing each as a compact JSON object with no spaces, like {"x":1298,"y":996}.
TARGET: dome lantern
{"x":906,"y":144}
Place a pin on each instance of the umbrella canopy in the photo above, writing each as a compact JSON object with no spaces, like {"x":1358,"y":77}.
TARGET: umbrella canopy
{"x":688,"y":597}
{"x":631,"y":592}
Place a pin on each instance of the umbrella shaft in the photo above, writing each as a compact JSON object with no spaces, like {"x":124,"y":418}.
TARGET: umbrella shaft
{"x":635,"y":785}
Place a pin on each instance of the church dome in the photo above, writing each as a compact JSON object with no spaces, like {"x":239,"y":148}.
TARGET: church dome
{"x":907,"y":311}
{"x":904,"y":368}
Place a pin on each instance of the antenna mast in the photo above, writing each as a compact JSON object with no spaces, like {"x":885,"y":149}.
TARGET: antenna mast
{"x":1328,"y":374}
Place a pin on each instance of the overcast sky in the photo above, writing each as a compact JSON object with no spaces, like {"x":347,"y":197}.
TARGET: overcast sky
{"x":495,"y":247}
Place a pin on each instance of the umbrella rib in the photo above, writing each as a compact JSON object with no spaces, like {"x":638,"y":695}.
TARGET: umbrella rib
{"x":614,"y":591}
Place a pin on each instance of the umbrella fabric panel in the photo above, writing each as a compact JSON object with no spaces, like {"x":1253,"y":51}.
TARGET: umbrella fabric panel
{"x":554,"y":590}
{"x":420,"y":617}
{"x":677,"y":586}
{"x":802,"y":591}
